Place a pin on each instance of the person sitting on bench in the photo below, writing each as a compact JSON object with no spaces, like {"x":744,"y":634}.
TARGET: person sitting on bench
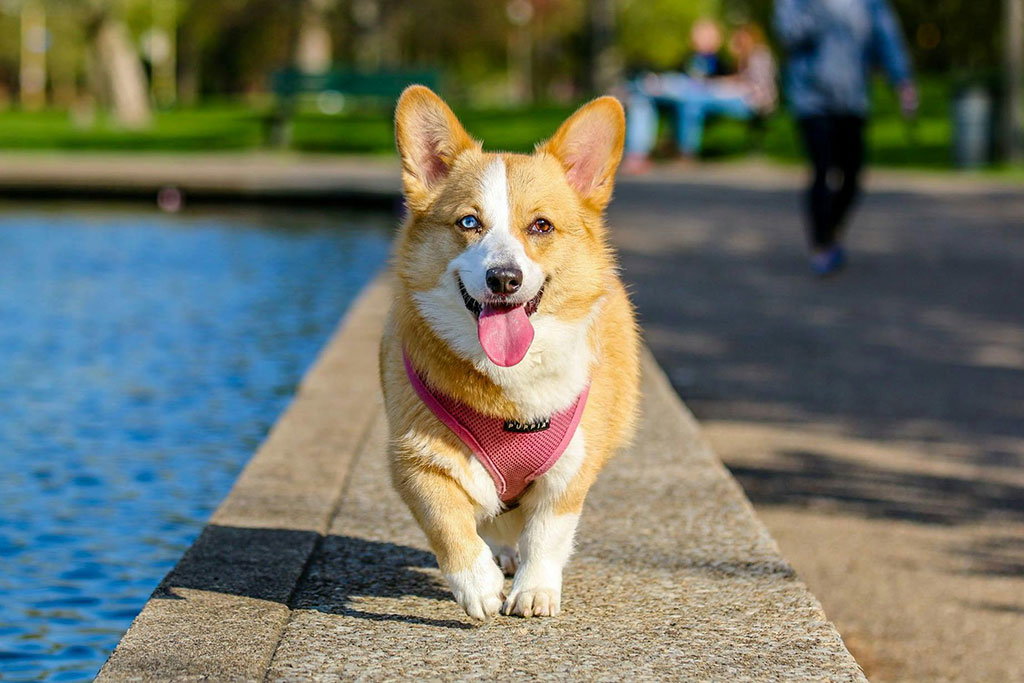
{"x":749,"y":93}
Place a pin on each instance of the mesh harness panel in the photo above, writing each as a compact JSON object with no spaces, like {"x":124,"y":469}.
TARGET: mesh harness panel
{"x":512,"y":457}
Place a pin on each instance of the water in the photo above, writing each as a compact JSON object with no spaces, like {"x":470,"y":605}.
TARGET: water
{"x":142,"y":360}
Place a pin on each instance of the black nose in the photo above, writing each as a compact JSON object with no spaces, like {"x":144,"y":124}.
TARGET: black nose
{"x":504,"y":279}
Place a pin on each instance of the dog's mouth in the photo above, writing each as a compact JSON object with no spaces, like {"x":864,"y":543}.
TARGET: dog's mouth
{"x":476,"y":307}
{"x":503,"y":326}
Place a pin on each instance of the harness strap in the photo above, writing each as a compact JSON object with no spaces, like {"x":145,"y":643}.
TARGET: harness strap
{"x":513,"y":453}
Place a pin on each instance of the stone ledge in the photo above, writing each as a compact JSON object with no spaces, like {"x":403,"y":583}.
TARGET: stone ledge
{"x":313,"y":569}
{"x":375,"y":180}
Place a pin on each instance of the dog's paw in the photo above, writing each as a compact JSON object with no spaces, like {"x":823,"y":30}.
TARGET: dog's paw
{"x":478,"y":590}
{"x":508,"y":559}
{"x":533,"y":602}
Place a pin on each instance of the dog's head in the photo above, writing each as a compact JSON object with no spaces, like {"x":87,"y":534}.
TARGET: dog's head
{"x":495,"y":243}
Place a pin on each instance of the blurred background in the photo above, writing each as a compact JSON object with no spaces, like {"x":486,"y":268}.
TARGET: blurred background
{"x":212,"y":75}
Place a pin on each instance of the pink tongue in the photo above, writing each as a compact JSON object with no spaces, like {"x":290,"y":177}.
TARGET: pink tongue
{"x":505,"y":334}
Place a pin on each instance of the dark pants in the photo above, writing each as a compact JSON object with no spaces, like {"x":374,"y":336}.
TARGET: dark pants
{"x":835,"y":145}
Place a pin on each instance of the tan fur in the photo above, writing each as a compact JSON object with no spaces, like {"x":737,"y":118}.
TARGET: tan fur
{"x":441,"y":167}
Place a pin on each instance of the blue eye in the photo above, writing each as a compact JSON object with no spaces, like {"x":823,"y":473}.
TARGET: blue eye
{"x":469,"y":223}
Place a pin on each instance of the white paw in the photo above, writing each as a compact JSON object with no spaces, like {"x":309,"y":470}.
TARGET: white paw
{"x":478,"y":590}
{"x":534,"y":602}
{"x":508,"y":559}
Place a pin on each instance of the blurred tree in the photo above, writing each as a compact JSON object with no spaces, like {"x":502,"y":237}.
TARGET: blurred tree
{"x":656,"y":33}
{"x":1013,"y":46}
{"x":160,"y":45}
{"x":953,"y":35}
{"x":466,"y":39}
{"x":63,"y":39}
{"x":948,"y":36}
{"x":532,"y":49}
{"x":561,"y":34}
{"x":313,"y":51}
{"x":32,"y":73}
{"x":369,"y":49}
{"x":520,"y":50}
{"x":118,"y":77}
{"x":67,"y":54}
{"x":604,"y":64}
{"x":9,"y":50}
{"x":229,"y":47}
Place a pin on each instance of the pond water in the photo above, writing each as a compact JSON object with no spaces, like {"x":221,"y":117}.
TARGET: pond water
{"x":143,"y":357}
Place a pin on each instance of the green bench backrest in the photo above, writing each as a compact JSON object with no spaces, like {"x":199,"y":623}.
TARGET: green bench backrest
{"x":384,"y":84}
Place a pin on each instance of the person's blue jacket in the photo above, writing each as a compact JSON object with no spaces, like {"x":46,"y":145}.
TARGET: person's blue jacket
{"x":832,"y":45}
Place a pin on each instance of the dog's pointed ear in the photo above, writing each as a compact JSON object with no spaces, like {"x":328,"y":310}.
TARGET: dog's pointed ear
{"x":429,"y":139}
{"x":589,"y":146}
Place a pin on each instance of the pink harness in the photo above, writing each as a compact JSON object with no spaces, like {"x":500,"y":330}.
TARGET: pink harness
{"x":513,"y":453}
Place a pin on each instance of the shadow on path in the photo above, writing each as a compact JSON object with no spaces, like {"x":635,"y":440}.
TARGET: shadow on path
{"x":265,"y":564}
{"x":998,"y":556}
{"x":805,"y":478}
{"x":921,"y":339}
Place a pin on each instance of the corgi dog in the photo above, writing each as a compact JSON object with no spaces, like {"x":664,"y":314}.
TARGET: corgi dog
{"x":510,"y":358}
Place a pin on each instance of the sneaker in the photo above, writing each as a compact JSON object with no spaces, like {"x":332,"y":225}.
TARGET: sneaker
{"x":828,"y":261}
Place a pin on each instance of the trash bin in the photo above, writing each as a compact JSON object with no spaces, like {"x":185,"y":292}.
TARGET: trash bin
{"x":973,"y":126}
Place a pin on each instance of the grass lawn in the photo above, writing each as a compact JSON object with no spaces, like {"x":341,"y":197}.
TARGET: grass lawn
{"x":238,"y":126}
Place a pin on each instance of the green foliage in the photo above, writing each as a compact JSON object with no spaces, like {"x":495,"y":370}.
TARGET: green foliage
{"x":969,"y":33}
{"x":229,"y":47}
{"x":512,"y":130}
{"x":232,"y":46}
{"x":892,"y":141}
{"x":656,"y":33}
{"x":962,"y":36}
{"x":208,"y":128}
{"x":236,"y":126}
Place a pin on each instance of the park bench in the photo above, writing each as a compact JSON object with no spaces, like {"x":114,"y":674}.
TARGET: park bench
{"x":344,"y":87}
{"x":755,"y":128}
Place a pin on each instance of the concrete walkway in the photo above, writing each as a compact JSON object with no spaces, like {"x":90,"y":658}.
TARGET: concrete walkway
{"x":250,"y":176}
{"x":303,"y":178}
{"x":876,"y":420}
{"x":313,"y":569}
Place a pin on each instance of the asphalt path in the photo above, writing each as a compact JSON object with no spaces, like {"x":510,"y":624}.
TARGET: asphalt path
{"x":875,"y":418}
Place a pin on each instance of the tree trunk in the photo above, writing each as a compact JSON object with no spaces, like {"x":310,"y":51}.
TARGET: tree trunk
{"x":368,"y":50}
{"x":1013,"y":144}
{"x":520,"y":51}
{"x":605,"y":67}
{"x":120,"y":74}
{"x":313,"y":52}
{"x":32,"y":76}
{"x":163,"y":51}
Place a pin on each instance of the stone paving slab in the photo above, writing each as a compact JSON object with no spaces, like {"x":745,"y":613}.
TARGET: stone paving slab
{"x":253,"y":176}
{"x":313,"y":569}
{"x":220,"y":612}
{"x":673,"y":578}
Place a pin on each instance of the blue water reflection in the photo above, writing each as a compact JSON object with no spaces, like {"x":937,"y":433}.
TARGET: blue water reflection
{"x":142,"y":360}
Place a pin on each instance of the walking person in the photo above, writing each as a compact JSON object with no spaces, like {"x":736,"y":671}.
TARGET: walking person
{"x":832,"y":46}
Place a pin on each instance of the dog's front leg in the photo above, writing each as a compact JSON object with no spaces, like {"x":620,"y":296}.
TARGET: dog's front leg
{"x":544,"y":548}
{"x":446,"y":515}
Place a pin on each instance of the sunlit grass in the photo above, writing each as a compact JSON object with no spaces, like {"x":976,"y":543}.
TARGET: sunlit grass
{"x":234,"y":125}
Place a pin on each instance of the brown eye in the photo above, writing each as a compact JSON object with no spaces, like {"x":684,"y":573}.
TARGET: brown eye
{"x":541,"y":226}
